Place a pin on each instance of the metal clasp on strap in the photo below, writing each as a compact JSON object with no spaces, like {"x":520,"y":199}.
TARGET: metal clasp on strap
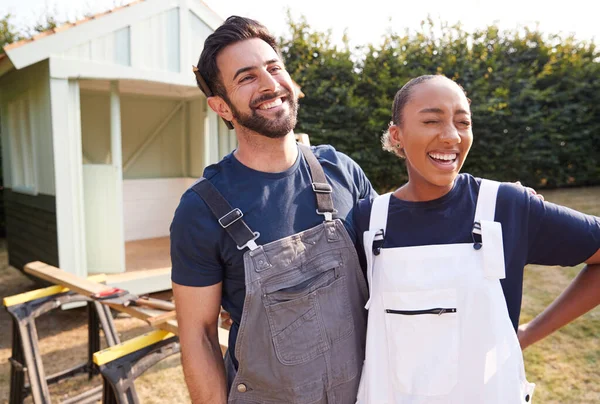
{"x":328,"y":215}
{"x":322,"y":188}
{"x":251,"y":244}
{"x":230,"y":218}
{"x":378,"y":241}
{"x":476,"y":240}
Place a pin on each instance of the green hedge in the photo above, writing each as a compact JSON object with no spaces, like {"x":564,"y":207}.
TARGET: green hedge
{"x":535,"y":98}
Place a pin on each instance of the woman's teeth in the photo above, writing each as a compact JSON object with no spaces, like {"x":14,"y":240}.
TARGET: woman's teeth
{"x":443,"y":156}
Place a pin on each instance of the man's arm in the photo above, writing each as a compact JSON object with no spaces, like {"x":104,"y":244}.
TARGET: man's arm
{"x":197,"y":317}
{"x":582,"y":295}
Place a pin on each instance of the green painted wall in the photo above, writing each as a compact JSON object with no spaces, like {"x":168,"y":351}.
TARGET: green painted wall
{"x":175,"y":151}
{"x":33,"y":84}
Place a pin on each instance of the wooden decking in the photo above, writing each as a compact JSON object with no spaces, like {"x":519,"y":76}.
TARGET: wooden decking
{"x":147,"y":254}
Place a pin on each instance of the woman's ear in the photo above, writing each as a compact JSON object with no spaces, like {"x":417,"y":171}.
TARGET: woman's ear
{"x":396,"y":140}
{"x":396,"y":136}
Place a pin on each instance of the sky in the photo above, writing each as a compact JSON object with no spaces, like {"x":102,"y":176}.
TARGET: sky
{"x":364,"y":21}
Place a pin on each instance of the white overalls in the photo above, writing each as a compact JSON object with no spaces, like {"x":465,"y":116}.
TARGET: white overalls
{"x":438,"y":328}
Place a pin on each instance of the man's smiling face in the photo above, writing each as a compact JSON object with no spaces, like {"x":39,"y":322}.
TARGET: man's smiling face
{"x":260,"y":92}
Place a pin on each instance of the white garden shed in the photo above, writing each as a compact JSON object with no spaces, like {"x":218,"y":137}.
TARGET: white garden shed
{"x":103,"y":128}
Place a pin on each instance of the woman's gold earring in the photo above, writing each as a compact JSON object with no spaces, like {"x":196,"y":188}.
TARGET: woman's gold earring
{"x":398,"y":145}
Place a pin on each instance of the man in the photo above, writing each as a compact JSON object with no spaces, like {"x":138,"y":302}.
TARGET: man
{"x":267,"y":234}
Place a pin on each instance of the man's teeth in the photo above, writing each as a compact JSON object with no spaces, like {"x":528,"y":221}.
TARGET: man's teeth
{"x":443,"y":156}
{"x":272,"y":104}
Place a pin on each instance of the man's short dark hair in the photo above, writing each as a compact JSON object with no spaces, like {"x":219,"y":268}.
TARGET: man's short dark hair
{"x":233,"y":30}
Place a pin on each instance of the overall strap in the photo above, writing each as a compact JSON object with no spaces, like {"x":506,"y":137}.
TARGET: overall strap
{"x":320,"y":186}
{"x":229,"y":218}
{"x":492,"y":244}
{"x":486,"y":201}
{"x":377,"y":227}
{"x":379,"y":212}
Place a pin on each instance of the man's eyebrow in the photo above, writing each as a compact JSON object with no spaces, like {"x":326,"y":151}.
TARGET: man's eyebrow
{"x":248,"y":68}
{"x":243,"y":70}
{"x":462,"y":111}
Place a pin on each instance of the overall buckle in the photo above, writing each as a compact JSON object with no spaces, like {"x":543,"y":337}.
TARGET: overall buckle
{"x":230,"y":218}
{"x":328,"y":215}
{"x":322,"y":188}
{"x":251,"y":244}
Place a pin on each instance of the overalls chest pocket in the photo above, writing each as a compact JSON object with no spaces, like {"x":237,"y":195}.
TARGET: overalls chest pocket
{"x":308,"y":308}
{"x":423,"y":340}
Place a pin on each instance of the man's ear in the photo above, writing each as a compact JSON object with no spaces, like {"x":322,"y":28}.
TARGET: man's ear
{"x":219,"y":105}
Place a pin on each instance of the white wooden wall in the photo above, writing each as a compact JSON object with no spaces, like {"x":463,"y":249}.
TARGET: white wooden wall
{"x":149,"y":205}
{"x":163,"y":36}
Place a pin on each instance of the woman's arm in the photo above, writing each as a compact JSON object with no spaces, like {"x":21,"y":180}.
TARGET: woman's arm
{"x":582,"y":295}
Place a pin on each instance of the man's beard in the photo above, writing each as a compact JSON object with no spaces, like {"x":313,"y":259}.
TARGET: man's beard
{"x":273,"y":128}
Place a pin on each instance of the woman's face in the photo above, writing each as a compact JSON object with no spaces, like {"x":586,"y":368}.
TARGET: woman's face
{"x":435,"y":132}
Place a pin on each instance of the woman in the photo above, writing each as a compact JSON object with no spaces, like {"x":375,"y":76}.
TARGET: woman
{"x":445,"y":257}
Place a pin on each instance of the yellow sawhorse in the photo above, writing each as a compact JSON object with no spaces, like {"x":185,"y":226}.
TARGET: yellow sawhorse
{"x":121,"y":364}
{"x":24,"y":308}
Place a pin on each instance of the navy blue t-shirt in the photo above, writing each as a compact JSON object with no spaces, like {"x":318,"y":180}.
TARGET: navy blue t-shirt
{"x":533,"y":231}
{"x":276,"y":205}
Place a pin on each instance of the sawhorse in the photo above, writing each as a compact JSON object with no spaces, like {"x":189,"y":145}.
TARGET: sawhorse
{"x":121,"y":364}
{"x":24,"y":309}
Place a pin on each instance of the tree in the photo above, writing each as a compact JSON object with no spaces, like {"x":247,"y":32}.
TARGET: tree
{"x":8,"y":32}
{"x":326,"y":74}
{"x":535,"y":99}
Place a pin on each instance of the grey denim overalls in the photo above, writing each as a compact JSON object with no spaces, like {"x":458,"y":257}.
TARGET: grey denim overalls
{"x":302,"y":334}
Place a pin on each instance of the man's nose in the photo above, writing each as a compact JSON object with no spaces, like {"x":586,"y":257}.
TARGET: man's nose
{"x":268,"y":83}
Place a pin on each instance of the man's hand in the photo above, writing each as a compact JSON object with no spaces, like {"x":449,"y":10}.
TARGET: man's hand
{"x":531,"y":190}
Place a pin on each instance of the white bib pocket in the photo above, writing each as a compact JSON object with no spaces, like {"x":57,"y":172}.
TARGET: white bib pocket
{"x":423,"y":341}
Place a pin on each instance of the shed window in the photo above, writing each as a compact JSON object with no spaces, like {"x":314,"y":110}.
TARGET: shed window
{"x":22,"y":153}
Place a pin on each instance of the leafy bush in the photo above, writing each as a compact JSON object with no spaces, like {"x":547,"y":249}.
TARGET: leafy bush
{"x":535,"y":99}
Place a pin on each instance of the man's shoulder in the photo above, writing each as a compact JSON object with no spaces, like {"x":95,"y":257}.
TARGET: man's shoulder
{"x":191,"y":204}
{"x":332,"y":159}
{"x":213,"y":171}
{"x":329,"y":153}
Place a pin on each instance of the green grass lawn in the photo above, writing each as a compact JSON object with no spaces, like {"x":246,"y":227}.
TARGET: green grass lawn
{"x":566,"y":365}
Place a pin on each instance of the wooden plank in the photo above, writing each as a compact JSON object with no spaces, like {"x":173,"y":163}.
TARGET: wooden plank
{"x":143,"y":281}
{"x":45,"y":203}
{"x":144,"y":313}
{"x":137,"y":275}
{"x":152,"y":303}
{"x":39,"y":293}
{"x":88,"y":288}
{"x":20,"y":254}
{"x":161,"y":318}
{"x":58,"y":276}
{"x":35,"y":251}
{"x":30,"y":217}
